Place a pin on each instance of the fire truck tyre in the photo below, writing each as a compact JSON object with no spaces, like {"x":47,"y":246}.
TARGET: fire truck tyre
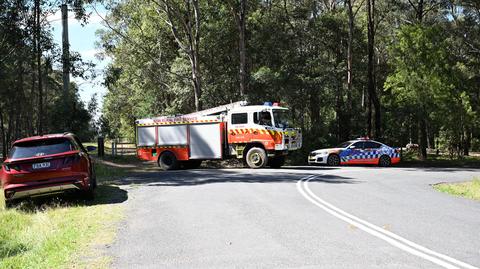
{"x":168,"y":161}
{"x":276,"y":162}
{"x":192,"y":164}
{"x":256,"y":158}
{"x":333,"y":160}
{"x":384,"y":161}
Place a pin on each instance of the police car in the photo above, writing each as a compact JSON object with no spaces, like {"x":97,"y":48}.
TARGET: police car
{"x":358,"y":151}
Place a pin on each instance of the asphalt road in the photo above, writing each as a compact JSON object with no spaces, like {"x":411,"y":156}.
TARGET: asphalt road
{"x":349,"y":217}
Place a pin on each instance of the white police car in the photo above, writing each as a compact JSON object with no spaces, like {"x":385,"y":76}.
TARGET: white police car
{"x":358,"y":151}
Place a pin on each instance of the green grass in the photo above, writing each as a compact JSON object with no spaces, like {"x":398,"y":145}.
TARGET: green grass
{"x":433,"y":160}
{"x":67,"y":231}
{"x":63,"y":231}
{"x":56,"y":235}
{"x":470,"y":189}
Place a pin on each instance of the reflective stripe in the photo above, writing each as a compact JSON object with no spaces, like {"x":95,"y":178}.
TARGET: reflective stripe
{"x":177,"y":122}
{"x":369,"y":155}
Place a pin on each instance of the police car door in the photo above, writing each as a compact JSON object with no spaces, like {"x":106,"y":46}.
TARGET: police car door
{"x":355,"y":153}
{"x":371,"y":152}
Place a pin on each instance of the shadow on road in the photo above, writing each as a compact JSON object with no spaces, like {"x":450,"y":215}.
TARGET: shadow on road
{"x":212,"y":176}
{"x":104,"y":194}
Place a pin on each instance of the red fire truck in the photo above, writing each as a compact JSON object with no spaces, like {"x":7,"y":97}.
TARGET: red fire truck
{"x":257,"y":134}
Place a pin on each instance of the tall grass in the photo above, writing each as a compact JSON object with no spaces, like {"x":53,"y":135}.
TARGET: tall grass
{"x":470,"y":189}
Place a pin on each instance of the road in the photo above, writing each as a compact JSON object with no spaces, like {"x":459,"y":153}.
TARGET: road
{"x":321,"y":217}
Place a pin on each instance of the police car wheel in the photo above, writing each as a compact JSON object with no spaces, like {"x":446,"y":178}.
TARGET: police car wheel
{"x":256,"y":158}
{"x":384,"y":161}
{"x":168,"y":161}
{"x":333,"y":160}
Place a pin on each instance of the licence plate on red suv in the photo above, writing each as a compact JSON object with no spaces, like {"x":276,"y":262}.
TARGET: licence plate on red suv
{"x":41,"y":165}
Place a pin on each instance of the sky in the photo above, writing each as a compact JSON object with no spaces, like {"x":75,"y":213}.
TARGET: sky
{"x":82,"y":40}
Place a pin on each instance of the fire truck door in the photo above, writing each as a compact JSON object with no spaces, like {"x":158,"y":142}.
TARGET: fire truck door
{"x":205,"y":141}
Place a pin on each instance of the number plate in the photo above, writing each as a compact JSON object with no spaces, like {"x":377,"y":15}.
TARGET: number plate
{"x":41,"y":165}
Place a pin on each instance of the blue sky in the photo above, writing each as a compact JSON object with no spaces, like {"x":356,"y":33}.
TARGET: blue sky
{"x":82,"y":40}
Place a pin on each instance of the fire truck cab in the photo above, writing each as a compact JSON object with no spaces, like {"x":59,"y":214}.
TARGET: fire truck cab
{"x":260,"y":135}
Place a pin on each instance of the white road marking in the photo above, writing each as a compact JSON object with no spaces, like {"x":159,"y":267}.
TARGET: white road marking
{"x":391,"y":238}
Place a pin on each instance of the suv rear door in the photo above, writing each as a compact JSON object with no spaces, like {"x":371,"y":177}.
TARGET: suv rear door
{"x":42,"y":159}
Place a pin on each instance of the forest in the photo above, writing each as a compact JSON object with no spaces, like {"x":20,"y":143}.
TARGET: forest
{"x":398,"y":71}
{"x":32,"y":100}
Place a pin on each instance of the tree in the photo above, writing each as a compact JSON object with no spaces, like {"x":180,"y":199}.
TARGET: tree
{"x":239,"y":11}
{"x":419,"y":81}
{"x":184,"y":21}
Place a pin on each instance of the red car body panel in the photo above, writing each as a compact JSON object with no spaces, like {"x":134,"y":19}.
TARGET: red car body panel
{"x":66,"y":170}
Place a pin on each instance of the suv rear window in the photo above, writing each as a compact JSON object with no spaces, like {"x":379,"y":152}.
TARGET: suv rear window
{"x":40,"y":148}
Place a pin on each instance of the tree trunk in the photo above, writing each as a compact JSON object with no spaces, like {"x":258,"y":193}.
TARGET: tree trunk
{"x":241,"y":24}
{"x":2,"y":131}
{"x":314,"y":110}
{"x":422,"y":126}
{"x":196,"y":82}
{"x":372,"y":92}
{"x":189,"y":43}
{"x":467,"y":141}
{"x":369,"y":118}
{"x":39,"y":66}
{"x":420,"y":11}
{"x":351,"y":18}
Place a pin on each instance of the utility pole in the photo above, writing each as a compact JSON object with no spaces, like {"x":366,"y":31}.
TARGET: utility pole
{"x":65,"y":49}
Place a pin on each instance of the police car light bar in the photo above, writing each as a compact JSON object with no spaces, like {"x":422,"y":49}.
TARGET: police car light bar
{"x":271,"y":104}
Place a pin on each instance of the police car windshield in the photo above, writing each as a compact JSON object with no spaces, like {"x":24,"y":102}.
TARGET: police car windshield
{"x":281,"y":118}
{"x":345,"y":144}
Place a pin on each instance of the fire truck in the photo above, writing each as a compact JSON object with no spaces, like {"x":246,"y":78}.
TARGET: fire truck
{"x":260,"y":135}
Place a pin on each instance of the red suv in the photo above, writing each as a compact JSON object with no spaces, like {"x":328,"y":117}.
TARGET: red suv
{"x":47,"y":164}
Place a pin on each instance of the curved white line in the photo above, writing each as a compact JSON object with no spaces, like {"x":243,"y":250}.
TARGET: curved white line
{"x":389,"y":237}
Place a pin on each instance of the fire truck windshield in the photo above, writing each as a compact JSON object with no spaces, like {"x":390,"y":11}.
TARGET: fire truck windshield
{"x":281,"y":118}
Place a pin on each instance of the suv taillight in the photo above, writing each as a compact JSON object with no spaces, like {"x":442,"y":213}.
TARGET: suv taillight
{"x":71,"y":159}
{"x":8,"y":167}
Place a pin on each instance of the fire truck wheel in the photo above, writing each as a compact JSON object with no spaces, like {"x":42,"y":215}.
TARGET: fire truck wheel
{"x":276,"y":162}
{"x":256,"y":158}
{"x":168,"y":161}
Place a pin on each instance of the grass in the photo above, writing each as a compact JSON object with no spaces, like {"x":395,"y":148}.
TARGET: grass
{"x":60,"y":231}
{"x":65,"y":231}
{"x":470,"y":189}
{"x":411,"y":159}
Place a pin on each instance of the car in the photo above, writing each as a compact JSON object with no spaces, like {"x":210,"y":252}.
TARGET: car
{"x":358,"y":151}
{"x":47,"y":164}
